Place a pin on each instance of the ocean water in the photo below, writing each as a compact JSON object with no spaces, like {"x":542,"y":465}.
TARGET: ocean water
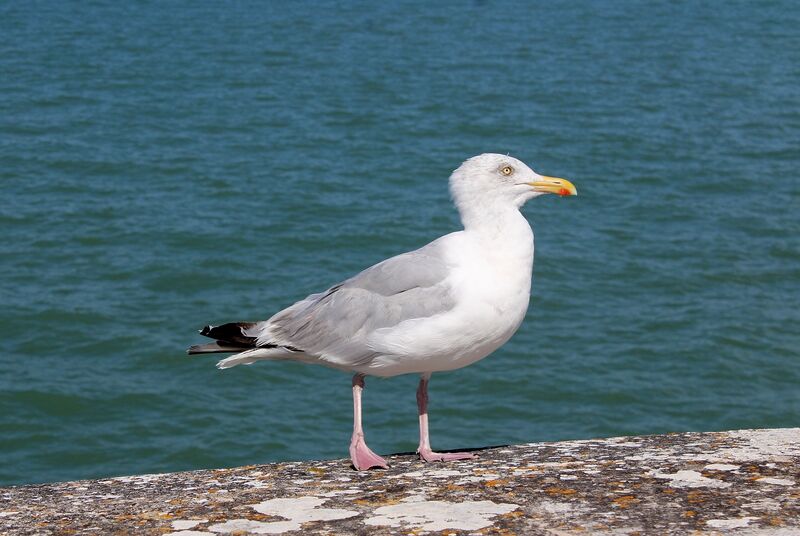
{"x":168,"y":165}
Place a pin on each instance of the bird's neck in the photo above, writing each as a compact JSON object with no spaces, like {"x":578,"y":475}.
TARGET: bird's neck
{"x":500,"y":227}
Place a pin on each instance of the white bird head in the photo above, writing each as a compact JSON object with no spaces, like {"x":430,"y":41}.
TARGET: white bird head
{"x":497,"y":179}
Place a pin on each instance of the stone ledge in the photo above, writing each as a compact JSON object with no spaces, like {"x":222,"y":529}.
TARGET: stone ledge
{"x":741,"y":482}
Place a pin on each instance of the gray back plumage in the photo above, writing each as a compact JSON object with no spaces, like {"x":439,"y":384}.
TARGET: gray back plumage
{"x":333,"y":325}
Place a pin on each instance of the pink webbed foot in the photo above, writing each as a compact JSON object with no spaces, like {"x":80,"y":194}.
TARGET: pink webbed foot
{"x":363,"y":458}
{"x":429,"y":456}
{"x":360,"y":454}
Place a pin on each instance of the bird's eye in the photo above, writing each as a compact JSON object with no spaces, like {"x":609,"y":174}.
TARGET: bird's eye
{"x":507,"y":170}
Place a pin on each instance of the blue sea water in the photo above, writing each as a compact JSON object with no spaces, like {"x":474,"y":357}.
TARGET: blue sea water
{"x":168,"y":165}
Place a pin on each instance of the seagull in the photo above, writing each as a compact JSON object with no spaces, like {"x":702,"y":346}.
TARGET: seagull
{"x":441,"y":307}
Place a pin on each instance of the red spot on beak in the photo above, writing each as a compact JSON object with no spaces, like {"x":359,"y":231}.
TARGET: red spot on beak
{"x":563,"y":191}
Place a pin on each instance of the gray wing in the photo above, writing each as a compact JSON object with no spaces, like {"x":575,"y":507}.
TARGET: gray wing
{"x":334,"y":325}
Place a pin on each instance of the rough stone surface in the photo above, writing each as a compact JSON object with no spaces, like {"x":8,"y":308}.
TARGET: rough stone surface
{"x":743,"y":482}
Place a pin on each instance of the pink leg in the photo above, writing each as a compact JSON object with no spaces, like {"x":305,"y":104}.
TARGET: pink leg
{"x":362,"y":457}
{"x":424,"y":449}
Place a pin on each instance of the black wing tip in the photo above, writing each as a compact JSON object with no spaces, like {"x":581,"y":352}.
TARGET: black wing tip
{"x":219,"y":347}
{"x":234,"y":333}
{"x":197,"y":349}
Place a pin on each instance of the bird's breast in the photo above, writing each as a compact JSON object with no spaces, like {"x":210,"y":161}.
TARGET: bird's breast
{"x":496,"y":293}
{"x":493,"y":287}
{"x":490,"y":288}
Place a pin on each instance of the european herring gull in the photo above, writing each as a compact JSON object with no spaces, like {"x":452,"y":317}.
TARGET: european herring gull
{"x":440,"y":307}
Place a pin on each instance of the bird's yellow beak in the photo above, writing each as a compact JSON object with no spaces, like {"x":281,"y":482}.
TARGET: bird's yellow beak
{"x":554,"y":185}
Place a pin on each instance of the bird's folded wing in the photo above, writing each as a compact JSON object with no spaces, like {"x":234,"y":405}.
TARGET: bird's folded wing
{"x":336,"y":325}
